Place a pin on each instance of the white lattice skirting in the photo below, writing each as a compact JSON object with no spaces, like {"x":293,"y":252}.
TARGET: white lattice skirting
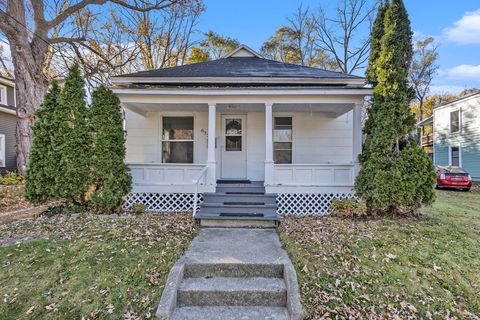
{"x":163,"y":202}
{"x":295,"y":204}
{"x":308,"y":204}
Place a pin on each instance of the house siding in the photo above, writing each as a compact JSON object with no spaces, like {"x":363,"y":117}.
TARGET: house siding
{"x":7,"y":127}
{"x":468,"y":139}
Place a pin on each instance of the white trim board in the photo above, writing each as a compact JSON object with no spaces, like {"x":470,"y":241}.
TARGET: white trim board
{"x":9,"y":111}
{"x":3,"y":158}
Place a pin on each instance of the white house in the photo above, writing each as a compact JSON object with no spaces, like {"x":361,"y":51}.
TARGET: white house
{"x":245,"y":128}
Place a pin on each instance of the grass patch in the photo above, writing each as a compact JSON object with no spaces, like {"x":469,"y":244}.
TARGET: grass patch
{"x":89,"y":266}
{"x":424,"y":267}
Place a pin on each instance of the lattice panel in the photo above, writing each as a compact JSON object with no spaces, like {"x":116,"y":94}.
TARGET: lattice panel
{"x":163,"y":202}
{"x":307,"y":204}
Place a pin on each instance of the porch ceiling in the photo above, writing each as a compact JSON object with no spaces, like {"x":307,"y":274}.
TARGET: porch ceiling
{"x":332,"y":109}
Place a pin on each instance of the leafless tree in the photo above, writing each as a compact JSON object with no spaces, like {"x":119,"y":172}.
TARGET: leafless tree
{"x":164,"y":39}
{"x":422,"y":70}
{"x":295,"y":42}
{"x":39,"y":32}
{"x":345,"y":35}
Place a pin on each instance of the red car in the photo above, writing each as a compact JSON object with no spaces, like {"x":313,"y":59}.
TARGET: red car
{"x":453,"y":177}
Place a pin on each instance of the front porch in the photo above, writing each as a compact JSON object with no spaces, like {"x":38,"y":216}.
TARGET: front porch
{"x":306,"y":156}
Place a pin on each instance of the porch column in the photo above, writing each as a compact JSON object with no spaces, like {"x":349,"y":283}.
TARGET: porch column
{"x":211,"y":163}
{"x":268,"y":144}
{"x":357,"y":135}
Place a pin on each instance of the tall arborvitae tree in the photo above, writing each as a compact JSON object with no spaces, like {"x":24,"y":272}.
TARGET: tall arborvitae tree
{"x":43,"y":160}
{"x":378,"y":31}
{"x":73,"y":140}
{"x":396,"y":176}
{"x":110,"y":177}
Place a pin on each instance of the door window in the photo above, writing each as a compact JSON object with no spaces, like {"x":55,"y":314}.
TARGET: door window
{"x":233,"y":135}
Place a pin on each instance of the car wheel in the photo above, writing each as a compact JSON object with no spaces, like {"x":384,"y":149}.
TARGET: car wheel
{"x":437,"y":187}
{"x":466,"y":190}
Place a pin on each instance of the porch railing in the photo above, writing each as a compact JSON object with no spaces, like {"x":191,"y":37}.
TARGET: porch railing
{"x":196,"y":181}
{"x":166,"y":174}
{"x":427,"y":140}
{"x":313,"y":175}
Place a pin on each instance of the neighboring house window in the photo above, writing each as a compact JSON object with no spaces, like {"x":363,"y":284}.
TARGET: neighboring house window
{"x":455,"y":156}
{"x":2,"y":151}
{"x":3,"y":95}
{"x":177,"y":140}
{"x":282,"y":140}
{"x":455,"y":121}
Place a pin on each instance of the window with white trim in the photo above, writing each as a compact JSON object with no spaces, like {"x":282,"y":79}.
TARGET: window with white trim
{"x":2,"y":151}
{"x":177,"y":140}
{"x":455,"y":156}
{"x":455,"y":121}
{"x":282,"y":140}
{"x":3,"y":95}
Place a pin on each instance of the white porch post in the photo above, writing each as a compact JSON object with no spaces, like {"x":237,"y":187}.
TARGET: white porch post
{"x":268,"y":144}
{"x":211,"y":163}
{"x":357,"y":136}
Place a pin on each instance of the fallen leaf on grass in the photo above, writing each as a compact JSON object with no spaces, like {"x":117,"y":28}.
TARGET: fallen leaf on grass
{"x":30,"y":310}
{"x":390,"y":256}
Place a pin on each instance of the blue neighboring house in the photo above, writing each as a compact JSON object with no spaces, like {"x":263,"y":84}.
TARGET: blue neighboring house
{"x":456,"y":134}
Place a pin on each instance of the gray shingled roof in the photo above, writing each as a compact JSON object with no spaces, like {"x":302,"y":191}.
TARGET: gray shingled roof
{"x":241,"y":67}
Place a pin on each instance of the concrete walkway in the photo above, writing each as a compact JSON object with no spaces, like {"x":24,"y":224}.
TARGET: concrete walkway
{"x":231,"y":273}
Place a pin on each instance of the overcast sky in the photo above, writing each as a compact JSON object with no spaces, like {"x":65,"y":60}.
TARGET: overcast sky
{"x":454,"y":23}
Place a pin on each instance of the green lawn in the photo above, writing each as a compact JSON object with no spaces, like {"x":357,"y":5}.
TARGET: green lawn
{"x":426,"y":267}
{"x":87,"y":266}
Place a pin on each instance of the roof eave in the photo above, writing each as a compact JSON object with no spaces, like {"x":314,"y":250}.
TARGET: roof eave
{"x":226,"y":80}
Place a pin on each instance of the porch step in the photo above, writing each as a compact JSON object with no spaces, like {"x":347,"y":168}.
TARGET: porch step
{"x":266,"y":209}
{"x":230,"y":313}
{"x":239,"y":198}
{"x":232,"y":292}
{"x":242,"y":189}
{"x":234,"y":181}
{"x":233,"y":270}
{"x":238,"y":205}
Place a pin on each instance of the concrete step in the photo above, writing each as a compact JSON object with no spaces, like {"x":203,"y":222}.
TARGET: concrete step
{"x":239,"y":198}
{"x":238,"y":223}
{"x":269,"y":292}
{"x":230,"y":313}
{"x":267,"y":209}
{"x":233,"y":270}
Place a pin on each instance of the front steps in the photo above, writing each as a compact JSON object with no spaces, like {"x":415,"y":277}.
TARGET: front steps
{"x":232,"y":274}
{"x":242,"y":204}
{"x":232,"y":292}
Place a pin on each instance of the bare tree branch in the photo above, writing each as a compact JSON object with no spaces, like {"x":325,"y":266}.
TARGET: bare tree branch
{"x":158,"y":5}
{"x":341,"y":37}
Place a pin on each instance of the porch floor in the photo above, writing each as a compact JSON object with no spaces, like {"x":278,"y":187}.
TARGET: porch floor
{"x":238,"y":204}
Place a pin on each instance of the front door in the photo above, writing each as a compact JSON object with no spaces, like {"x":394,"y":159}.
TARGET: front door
{"x":234,"y":153}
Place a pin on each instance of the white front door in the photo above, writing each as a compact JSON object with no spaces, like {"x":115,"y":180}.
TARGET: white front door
{"x":234,"y":153}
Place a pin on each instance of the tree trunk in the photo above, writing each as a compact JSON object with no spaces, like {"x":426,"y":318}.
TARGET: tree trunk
{"x":28,"y":57}
{"x":30,"y":87}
